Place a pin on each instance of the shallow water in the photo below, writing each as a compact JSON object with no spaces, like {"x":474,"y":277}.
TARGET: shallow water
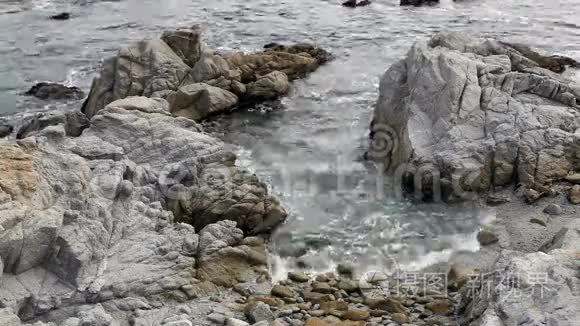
{"x":310,"y":149}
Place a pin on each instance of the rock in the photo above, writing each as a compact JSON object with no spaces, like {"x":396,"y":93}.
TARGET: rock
{"x":260,"y":312}
{"x":186,"y":43}
{"x":147,"y":68}
{"x":198,"y":101}
{"x":235,"y":322}
{"x":531,"y":196}
{"x":9,"y":318}
{"x":283,"y":291}
{"x":299,"y":277}
{"x":316,"y":297}
{"x":349,"y":3}
{"x":363,"y":3}
{"x":356,"y":314}
{"x":553,"y":209}
{"x":387,"y":304}
{"x":531,"y":271}
{"x":457,"y":277}
{"x":345,"y":270}
{"x":269,"y":86}
{"x":103,"y":215}
{"x":573,"y":178}
{"x":322,"y":287}
{"x":349,"y":285}
{"x":440,"y":307}
{"x":400,"y":318}
{"x":469,"y":133}
{"x":487,"y":237}
{"x":61,"y":16}
{"x":320,"y":55}
{"x":5,"y":130}
{"x":418,"y":2}
{"x":496,"y":200}
{"x":575,"y":195}
{"x":73,"y":123}
{"x":217,"y":318}
{"x":55,"y":91}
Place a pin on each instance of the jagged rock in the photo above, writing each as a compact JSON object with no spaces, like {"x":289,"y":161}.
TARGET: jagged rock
{"x":94,"y":218}
{"x":269,"y":86}
{"x":8,"y":318}
{"x":477,"y":112}
{"x":147,"y":68}
{"x":258,"y":312}
{"x":5,"y":130}
{"x":55,"y":91}
{"x":197,"y":101}
{"x":322,"y":56}
{"x":186,"y":43}
{"x":74,"y":123}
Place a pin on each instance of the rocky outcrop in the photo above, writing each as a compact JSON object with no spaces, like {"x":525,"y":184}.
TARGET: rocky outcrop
{"x":476,"y":113}
{"x":55,"y":91}
{"x":200,"y":83}
{"x":528,"y":289}
{"x":92,"y":224}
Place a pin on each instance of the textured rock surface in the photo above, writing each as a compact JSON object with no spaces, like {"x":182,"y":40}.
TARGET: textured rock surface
{"x":95,"y":219}
{"x":478,"y":112}
{"x":527,"y":289}
{"x":55,"y":91}
{"x":199,"y":83}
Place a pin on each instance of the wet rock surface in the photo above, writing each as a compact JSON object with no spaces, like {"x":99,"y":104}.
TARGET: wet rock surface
{"x":55,"y":91}
{"x":479,"y":112}
{"x":90,"y":221}
{"x":198,"y":82}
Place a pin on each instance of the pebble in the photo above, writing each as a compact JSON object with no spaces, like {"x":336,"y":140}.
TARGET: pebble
{"x":299,"y":277}
{"x":356,"y":314}
{"x":553,"y":209}
{"x":216,"y":318}
{"x":487,"y":237}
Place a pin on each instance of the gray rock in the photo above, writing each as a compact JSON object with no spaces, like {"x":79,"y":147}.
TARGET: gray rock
{"x":186,"y":43}
{"x":73,"y":123}
{"x":236,"y":322}
{"x":5,"y":130}
{"x":198,"y":101}
{"x":55,"y":91}
{"x":478,"y":112}
{"x":99,"y":218}
{"x":553,"y":209}
{"x":147,"y":68}
{"x":217,"y":318}
{"x":260,"y":312}
{"x":269,"y":86}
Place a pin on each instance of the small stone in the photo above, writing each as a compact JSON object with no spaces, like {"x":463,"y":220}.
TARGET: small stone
{"x":299,"y":277}
{"x":259,"y":311}
{"x":322,"y":287}
{"x":440,"y":307}
{"x":334,"y":305}
{"x":553,"y":209}
{"x":216,"y":318}
{"x":531,"y":196}
{"x":317,"y":313}
{"x":61,"y":16}
{"x":348,"y":285}
{"x":322,"y":278}
{"x":486,"y":237}
{"x":496,"y":200}
{"x":388,"y":304}
{"x":356,"y":314}
{"x":575,"y":195}
{"x":283,"y":291}
{"x":400,"y":318}
{"x":316,"y":297}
